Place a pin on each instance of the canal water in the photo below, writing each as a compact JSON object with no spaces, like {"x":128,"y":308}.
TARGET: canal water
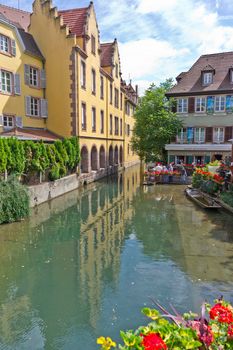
{"x":85,"y":264}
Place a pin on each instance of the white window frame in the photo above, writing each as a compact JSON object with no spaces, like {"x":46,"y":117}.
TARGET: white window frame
{"x":182,"y":105}
{"x":34,"y":76}
{"x":207,"y":78}
{"x":199,"y":135}
{"x":220,"y":101}
{"x":182,"y":135}
{"x":6,"y":81}
{"x":8,"y":122}
{"x":200,"y":104}
{"x":218,"y":134}
{"x":4,"y":44}
{"x":35,"y":107}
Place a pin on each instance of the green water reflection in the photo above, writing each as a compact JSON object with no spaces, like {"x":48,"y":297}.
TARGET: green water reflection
{"x":86,"y":263}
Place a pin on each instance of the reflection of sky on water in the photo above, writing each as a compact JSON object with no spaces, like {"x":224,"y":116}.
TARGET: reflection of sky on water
{"x":85,"y":264}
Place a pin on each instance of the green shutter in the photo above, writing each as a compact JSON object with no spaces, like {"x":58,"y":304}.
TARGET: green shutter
{"x":206,"y":159}
{"x":189,"y":159}
{"x":171,"y":158}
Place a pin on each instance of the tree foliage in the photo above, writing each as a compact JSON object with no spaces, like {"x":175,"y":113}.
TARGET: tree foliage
{"x":155,"y":123}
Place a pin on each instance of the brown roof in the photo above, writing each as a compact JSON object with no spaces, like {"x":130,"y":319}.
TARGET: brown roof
{"x":75,"y":19}
{"x":19,"y":17}
{"x":30,"y":134}
{"x":106,"y":54}
{"x":191,"y":82}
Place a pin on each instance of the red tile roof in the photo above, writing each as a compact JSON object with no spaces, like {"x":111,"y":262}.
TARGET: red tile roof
{"x":106,"y":54}
{"x":191,"y":81}
{"x":31,"y":134}
{"x":19,"y":17}
{"x":75,"y":19}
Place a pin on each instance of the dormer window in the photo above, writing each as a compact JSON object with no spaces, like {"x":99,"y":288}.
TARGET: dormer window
{"x":207,"y":78}
{"x":207,"y":75}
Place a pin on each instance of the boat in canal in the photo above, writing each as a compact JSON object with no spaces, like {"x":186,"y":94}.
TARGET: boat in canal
{"x":204,"y":201}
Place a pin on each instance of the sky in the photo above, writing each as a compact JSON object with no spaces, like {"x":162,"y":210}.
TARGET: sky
{"x":158,"y":39}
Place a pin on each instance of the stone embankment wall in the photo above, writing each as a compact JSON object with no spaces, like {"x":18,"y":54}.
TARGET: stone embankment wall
{"x":48,"y":190}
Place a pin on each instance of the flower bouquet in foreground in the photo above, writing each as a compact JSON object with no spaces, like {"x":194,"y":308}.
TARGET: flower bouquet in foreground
{"x":213,"y":330}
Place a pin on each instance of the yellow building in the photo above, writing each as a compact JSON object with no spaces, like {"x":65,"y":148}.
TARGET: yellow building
{"x":83,"y":94}
{"x":22,"y":81}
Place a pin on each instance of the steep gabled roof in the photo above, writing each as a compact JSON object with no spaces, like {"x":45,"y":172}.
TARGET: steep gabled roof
{"x":107,"y":51}
{"x":191,"y":82}
{"x":18,"y":17}
{"x":75,"y":19}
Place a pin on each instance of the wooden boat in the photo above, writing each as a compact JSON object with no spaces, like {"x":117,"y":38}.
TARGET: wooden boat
{"x":201,"y":199}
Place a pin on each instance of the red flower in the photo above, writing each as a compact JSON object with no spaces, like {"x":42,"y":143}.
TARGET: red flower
{"x":152,"y":341}
{"x":221,"y":314}
{"x":230,"y":331}
{"x":204,"y":332}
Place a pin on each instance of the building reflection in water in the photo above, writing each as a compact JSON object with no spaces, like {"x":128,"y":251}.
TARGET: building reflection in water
{"x":58,"y":261}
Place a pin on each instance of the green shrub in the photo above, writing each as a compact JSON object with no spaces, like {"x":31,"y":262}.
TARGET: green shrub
{"x":3,"y":159}
{"x":71,"y":153}
{"x":18,"y":157}
{"x":54,"y":172}
{"x":14,"y":201}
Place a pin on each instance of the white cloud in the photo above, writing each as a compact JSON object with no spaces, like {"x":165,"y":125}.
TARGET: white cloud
{"x":159,"y":38}
{"x":142,"y":58}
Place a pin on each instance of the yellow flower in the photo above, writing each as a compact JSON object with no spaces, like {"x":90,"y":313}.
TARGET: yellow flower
{"x":106,"y":343}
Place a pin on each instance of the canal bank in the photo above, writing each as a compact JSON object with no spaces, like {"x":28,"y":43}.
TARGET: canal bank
{"x":49,"y":190}
{"x":85,"y":263}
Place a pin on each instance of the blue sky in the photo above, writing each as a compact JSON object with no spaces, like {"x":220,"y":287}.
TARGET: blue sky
{"x":158,"y":38}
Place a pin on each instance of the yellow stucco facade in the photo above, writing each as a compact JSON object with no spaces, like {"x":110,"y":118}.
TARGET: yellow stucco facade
{"x":84,"y":94}
{"x":12,"y":71}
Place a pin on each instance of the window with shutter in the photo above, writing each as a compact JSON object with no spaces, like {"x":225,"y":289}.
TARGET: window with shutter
{"x":190,"y":135}
{"x":4,"y":44}
{"x":182,"y":105}
{"x":218,"y":135}
{"x":33,"y":76}
{"x":200,"y":104}
{"x":42,"y":79}
{"x":191,"y":104}
{"x":6,"y":82}
{"x":43,"y":108}
{"x":28,"y":105}
{"x":13,"y":47}
{"x":228,"y":133}
{"x":210,"y":104}
{"x":229,"y":104}
{"x":19,"y":122}
{"x":27,"y":74}
{"x":17,"y":86}
{"x":209,"y":135}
